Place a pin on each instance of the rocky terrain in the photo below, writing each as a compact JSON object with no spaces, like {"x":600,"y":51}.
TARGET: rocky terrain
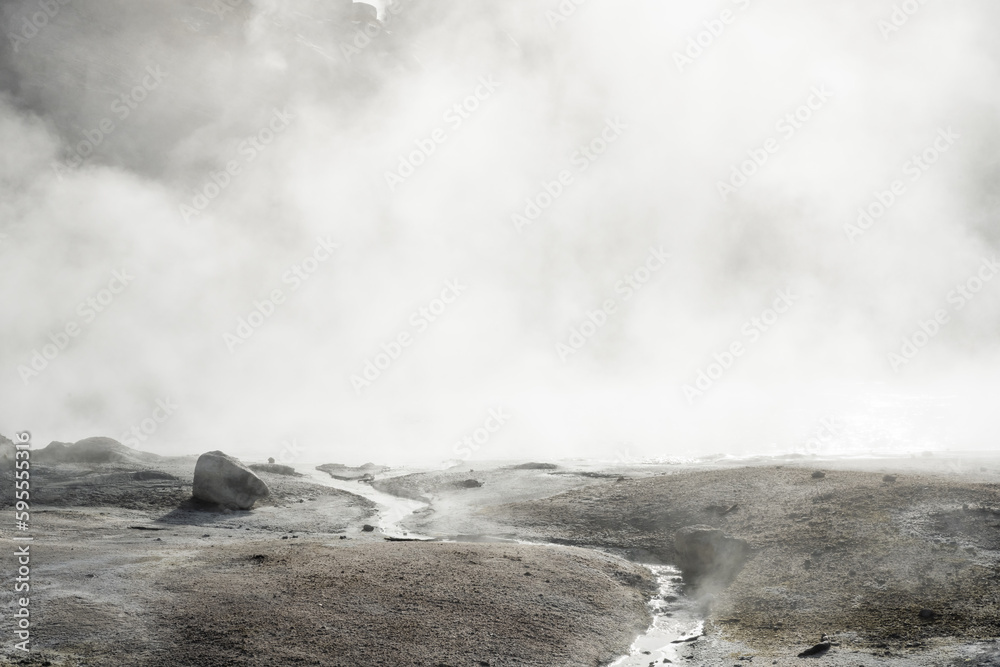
{"x":129,"y":569}
{"x":895,"y":564}
{"x":883,"y":565}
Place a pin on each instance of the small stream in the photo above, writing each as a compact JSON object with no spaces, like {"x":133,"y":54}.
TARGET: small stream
{"x":391,"y":509}
{"x":675,"y":618}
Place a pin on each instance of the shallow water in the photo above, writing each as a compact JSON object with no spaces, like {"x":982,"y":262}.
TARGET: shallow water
{"x":674,"y":620}
{"x":391,"y":509}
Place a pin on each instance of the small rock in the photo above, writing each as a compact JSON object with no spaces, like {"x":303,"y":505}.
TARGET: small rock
{"x":368,"y":528}
{"x":889,"y":478}
{"x":819,"y":474}
{"x":818,"y":649}
{"x":927,"y":613}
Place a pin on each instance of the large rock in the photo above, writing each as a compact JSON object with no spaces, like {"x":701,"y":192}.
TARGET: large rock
{"x":708,"y":557}
{"x":223,"y":480}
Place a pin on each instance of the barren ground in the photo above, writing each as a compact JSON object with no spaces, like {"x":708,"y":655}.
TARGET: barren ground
{"x":126,"y":570}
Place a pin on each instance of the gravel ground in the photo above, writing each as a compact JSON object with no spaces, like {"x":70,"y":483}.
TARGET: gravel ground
{"x":848,"y":554}
{"x":126,"y":570}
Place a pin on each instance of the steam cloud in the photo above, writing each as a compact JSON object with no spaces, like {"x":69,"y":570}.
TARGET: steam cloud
{"x":313,"y":126}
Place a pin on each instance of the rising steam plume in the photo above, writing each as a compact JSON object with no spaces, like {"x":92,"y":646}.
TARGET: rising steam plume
{"x":314,"y":118}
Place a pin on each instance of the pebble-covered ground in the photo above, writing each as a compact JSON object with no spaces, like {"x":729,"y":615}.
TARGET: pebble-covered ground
{"x":885,"y":566}
{"x":126,"y":570}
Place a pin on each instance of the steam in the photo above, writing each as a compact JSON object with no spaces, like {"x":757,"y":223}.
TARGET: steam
{"x":354,"y":110}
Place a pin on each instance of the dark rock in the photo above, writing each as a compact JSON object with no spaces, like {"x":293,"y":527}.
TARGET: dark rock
{"x":706,"y":555}
{"x":469,"y":484}
{"x":818,"y":649}
{"x":270,"y":460}
{"x":274,"y":468}
{"x":927,"y":614}
{"x":368,"y":528}
{"x":889,"y":478}
{"x":534,"y":466}
{"x":819,"y":474}
{"x":223,"y":480}
{"x":365,"y":473}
